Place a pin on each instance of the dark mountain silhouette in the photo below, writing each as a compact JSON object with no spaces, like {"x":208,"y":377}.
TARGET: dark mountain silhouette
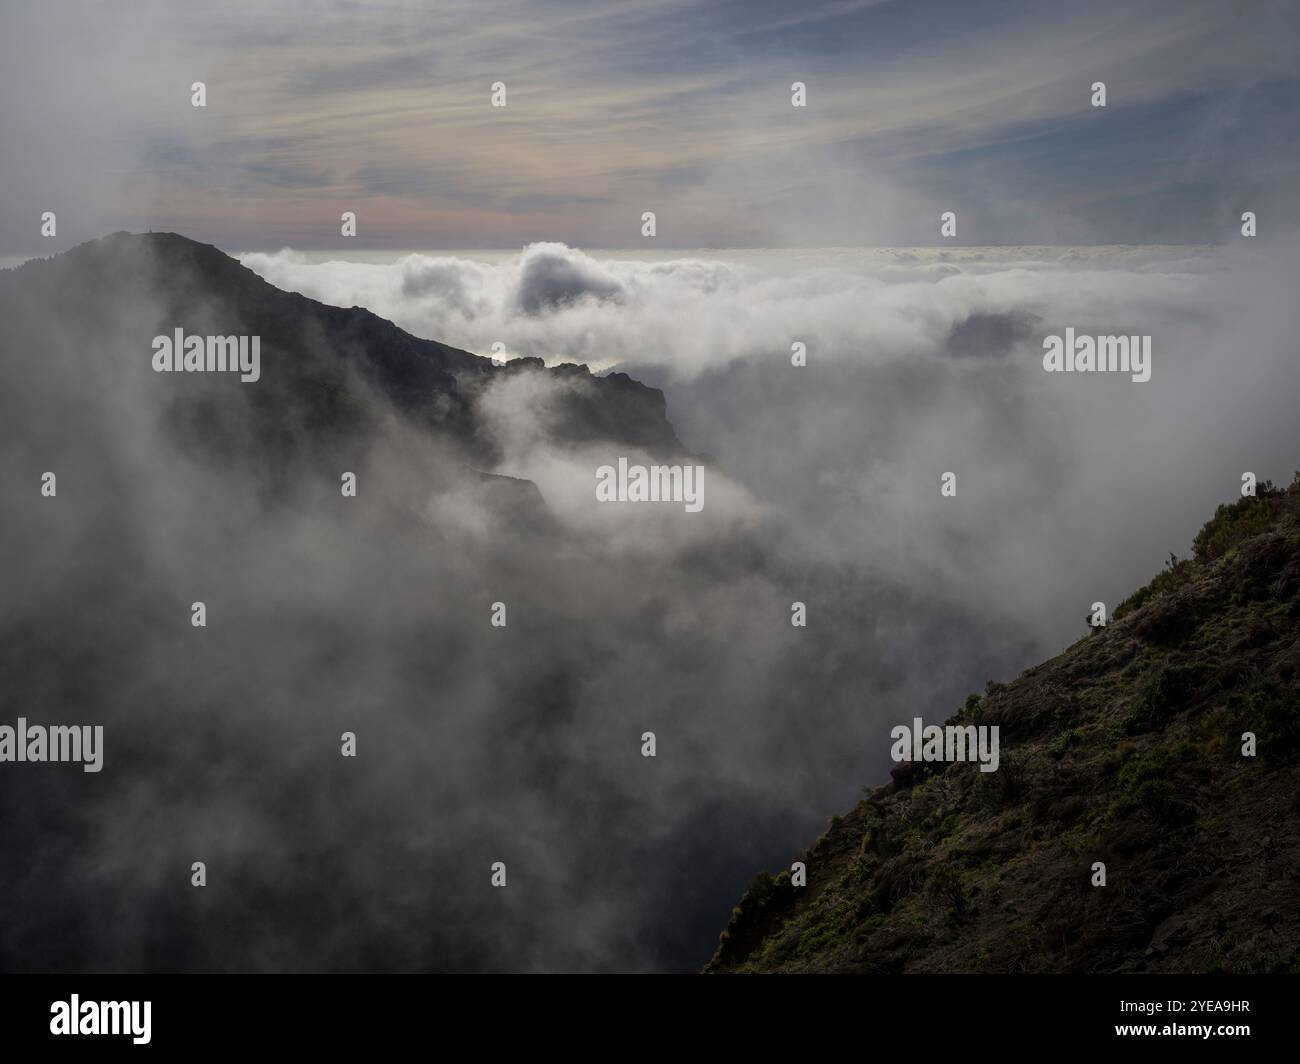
{"x":1127,"y":749}
{"x":108,"y":298}
{"x":223,"y":741}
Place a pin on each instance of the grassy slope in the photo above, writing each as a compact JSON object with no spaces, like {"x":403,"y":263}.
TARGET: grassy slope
{"x":1124,"y":749}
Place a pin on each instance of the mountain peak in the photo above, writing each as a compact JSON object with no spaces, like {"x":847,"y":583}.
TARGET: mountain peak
{"x":315,"y":355}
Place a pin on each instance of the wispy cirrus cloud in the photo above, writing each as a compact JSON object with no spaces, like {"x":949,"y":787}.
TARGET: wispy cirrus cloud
{"x":682,"y":108}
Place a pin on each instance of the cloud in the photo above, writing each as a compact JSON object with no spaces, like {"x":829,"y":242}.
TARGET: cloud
{"x":551,"y":277}
{"x":522,"y":744}
{"x":920,"y":361}
{"x":681,"y":108}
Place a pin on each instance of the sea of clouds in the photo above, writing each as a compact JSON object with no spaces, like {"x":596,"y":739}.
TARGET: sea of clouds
{"x":921,"y":361}
{"x":823,"y":486}
{"x":475,"y":744}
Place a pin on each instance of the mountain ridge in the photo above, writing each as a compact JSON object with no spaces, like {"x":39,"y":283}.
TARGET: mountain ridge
{"x":318,"y":346}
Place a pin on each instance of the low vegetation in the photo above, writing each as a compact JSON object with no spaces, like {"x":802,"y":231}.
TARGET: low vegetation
{"x":1125,"y":751}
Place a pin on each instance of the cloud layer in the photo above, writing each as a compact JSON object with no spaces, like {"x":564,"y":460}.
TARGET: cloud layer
{"x":919,"y":362}
{"x":522,"y":744}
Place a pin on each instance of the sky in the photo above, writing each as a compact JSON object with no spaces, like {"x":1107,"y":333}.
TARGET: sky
{"x":679,"y":108}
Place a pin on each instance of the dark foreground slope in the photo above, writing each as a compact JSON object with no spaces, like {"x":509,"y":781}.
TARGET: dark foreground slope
{"x":1127,"y":750}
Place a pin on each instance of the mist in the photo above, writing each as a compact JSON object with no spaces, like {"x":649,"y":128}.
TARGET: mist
{"x":522,"y":744}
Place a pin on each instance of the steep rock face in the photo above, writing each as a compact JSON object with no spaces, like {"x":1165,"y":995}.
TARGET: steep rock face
{"x":1125,"y":750}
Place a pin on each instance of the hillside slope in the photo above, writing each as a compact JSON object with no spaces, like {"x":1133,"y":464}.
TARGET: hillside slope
{"x":1126,"y":749}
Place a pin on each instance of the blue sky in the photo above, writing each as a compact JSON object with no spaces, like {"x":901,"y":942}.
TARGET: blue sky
{"x":679,"y":108}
